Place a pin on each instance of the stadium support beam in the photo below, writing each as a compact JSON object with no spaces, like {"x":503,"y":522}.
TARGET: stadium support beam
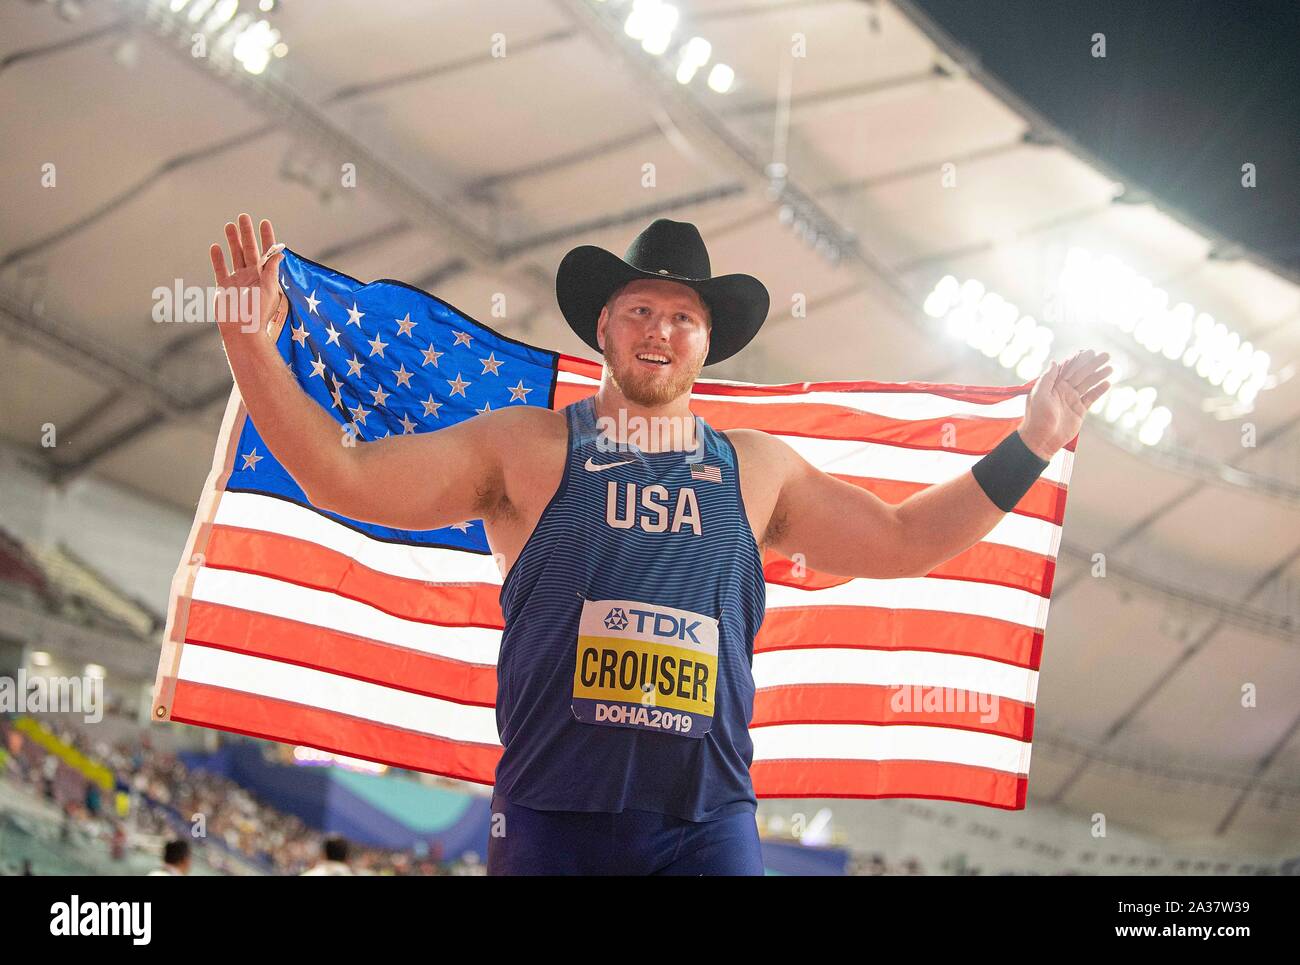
{"x":97,"y":361}
{"x":288,"y":112}
{"x":821,"y":100}
{"x":1169,"y":672}
{"x":706,"y":129}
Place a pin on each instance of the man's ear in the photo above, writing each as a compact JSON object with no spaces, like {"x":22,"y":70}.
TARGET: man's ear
{"x":600,"y":327}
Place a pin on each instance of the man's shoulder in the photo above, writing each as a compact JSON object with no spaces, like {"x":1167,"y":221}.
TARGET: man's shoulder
{"x":757,"y":446}
{"x":528,"y":436}
{"x":518,"y":424}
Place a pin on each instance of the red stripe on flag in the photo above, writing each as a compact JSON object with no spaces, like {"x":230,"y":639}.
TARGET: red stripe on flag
{"x":280,"y":720}
{"x":866,"y":779}
{"x":312,"y":565}
{"x":990,"y":563}
{"x":930,"y":630}
{"x":305,"y":645}
{"x":870,"y":704}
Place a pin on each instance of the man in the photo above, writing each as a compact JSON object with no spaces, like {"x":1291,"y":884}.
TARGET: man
{"x":633,"y":582}
{"x":176,"y":859}
{"x":334,"y":859}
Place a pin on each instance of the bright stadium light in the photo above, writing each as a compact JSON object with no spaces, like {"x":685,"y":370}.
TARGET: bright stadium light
{"x":252,"y":47}
{"x":650,"y":20}
{"x":222,"y":14}
{"x":996,"y":328}
{"x":694,"y":54}
{"x":697,"y":50}
{"x":1092,"y":290}
{"x":721,"y":78}
{"x":653,"y":23}
{"x":198,"y":9}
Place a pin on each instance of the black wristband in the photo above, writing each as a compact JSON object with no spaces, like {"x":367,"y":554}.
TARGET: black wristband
{"x":1006,"y":473}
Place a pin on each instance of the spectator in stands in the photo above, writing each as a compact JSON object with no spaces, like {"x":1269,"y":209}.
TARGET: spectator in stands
{"x":49,"y":771}
{"x":117,"y":845}
{"x":334,"y":860}
{"x":176,"y":859}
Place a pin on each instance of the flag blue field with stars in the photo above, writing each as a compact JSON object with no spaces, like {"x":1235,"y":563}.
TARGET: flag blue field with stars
{"x":385,"y":359}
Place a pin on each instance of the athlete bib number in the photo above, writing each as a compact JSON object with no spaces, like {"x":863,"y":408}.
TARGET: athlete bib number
{"x":645,"y":666}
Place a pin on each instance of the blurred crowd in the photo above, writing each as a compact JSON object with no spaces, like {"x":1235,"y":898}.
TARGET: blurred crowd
{"x":166,"y":800}
{"x":877,"y":864}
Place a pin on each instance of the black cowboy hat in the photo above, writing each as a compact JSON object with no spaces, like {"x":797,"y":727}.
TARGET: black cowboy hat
{"x":674,"y":250}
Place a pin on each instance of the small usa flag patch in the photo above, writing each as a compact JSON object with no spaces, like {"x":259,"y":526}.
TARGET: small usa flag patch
{"x":707,"y":473}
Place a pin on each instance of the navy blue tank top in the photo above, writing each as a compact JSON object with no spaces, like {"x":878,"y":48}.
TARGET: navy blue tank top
{"x":624,"y":678}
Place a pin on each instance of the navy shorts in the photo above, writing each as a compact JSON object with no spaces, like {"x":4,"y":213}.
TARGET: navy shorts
{"x":522,"y":841}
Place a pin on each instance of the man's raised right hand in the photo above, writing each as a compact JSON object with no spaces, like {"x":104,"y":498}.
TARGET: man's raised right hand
{"x":249,"y":292}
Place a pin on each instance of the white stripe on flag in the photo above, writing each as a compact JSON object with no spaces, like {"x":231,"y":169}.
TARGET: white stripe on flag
{"x":262,"y":594}
{"x":845,"y":665}
{"x":427,"y":563}
{"x":921,"y":593}
{"x":342,"y":695}
{"x":893,"y":742}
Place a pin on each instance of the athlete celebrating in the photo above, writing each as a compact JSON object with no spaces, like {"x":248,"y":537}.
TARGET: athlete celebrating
{"x":633,"y":586}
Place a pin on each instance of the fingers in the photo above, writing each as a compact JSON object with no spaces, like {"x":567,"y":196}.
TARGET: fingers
{"x":1089,"y":372}
{"x":1094,"y":394}
{"x":268,"y":234}
{"x":248,"y":240}
{"x":1084,"y":369}
{"x":270,"y":257}
{"x":236,"y":250}
{"x":1078,"y":381}
{"x":218,"y":264}
{"x":1081,"y":362}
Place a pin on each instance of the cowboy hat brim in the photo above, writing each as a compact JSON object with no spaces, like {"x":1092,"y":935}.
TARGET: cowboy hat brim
{"x":588,"y":275}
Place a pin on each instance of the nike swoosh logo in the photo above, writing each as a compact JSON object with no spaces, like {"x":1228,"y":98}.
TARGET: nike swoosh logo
{"x":595,"y":467}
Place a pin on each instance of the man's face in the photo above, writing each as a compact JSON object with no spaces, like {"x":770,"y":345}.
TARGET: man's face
{"x":657,"y":318}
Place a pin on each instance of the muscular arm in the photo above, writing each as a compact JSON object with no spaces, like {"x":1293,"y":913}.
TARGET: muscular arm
{"x":844,"y":530}
{"x":420,"y":481}
{"x":848,"y":531}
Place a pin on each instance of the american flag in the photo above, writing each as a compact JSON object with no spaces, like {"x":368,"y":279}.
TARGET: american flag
{"x":707,"y":473}
{"x":298,"y":625}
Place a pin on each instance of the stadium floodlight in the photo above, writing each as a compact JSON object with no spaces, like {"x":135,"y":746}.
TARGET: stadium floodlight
{"x":721,"y":78}
{"x":997,"y":329}
{"x":252,"y":47}
{"x":1103,"y":291}
{"x":221,"y":15}
{"x":198,"y":9}
{"x":652,"y":22}
{"x":697,"y":50}
{"x":693,"y":55}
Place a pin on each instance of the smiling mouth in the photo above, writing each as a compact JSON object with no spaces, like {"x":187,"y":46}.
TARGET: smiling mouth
{"x":653,"y":359}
